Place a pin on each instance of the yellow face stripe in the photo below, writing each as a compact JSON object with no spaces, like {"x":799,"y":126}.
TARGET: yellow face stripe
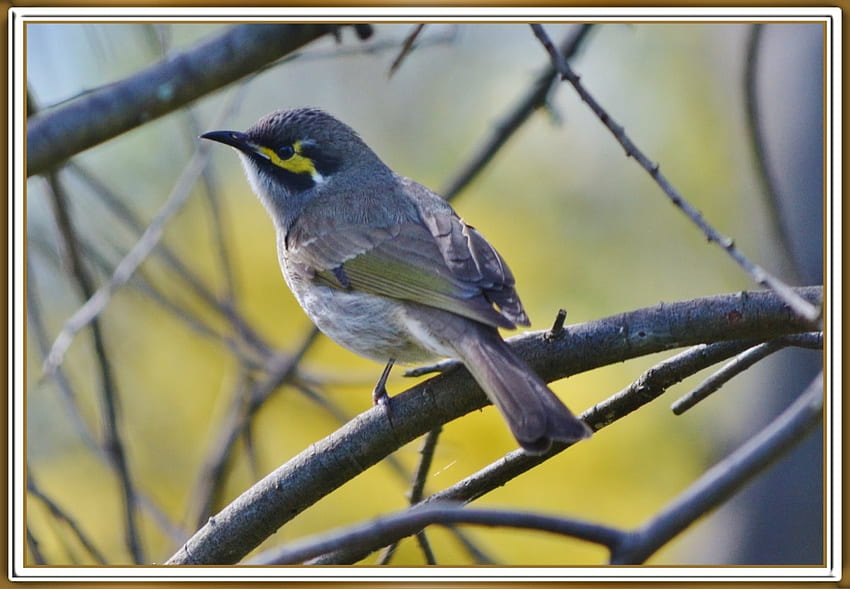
{"x":297,"y":164}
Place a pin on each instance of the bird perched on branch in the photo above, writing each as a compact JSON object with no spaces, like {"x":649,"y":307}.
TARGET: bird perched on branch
{"x":387,"y":269}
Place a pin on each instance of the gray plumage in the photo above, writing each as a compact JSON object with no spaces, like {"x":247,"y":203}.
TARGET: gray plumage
{"x":386,"y":268}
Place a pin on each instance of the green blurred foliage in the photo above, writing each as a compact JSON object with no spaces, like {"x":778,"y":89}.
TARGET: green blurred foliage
{"x":581,"y":225}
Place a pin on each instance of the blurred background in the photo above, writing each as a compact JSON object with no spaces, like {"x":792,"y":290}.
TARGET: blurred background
{"x":582,"y":226}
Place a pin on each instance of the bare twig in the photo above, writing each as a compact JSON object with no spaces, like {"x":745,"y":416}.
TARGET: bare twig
{"x":62,"y":515}
{"x":741,"y":363}
{"x":38,"y":333}
{"x":34,"y":547}
{"x":245,"y":405}
{"x":112,"y":443}
{"x":536,"y":98}
{"x":557,"y":329}
{"x":426,"y":457}
{"x":406,"y":48}
{"x":655,"y":381}
{"x":98,"y":300}
{"x":72,"y":409}
{"x":475,"y":552}
{"x":171,"y":259}
{"x":756,"y":272}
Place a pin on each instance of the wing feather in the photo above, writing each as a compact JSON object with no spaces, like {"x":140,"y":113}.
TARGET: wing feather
{"x":438,"y":261}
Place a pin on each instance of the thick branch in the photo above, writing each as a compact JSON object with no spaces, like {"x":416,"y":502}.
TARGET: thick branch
{"x":373,"y":435}
{"x":56,"y":135}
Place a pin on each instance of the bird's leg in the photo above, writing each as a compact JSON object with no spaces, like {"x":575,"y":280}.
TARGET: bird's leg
{"x":379,"y":393}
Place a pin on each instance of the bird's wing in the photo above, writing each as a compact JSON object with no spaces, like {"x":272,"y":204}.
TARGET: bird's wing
{"x":440,"y":262}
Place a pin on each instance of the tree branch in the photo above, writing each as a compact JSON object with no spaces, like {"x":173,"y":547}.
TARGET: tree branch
{"x":370,"y":437}
{"x":102,"y":114}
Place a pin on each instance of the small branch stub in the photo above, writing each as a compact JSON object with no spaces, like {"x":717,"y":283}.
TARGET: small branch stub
{"x":557,"y":330}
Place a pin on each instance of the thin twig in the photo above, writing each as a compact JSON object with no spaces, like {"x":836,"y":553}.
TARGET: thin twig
{"x":244,"y":406}
{"x":536,"y":98}
{"x":475,"y":552}
{"x":69,"y":398}
{"x":426,"y":457}
{"x":741,"y":363}
{"x":34,"y":547}
{"x":38,"y":334}
{"x":181,"y":270}
{"x":399,"y":525}
{"x":657,"y":380}
{"x":62,"y":515}
{"x":756,"y":272}
{"x":108,"y":388}
{"x":406,"y":48}
{"x":557,"y":329}
{"x":151,"y":237}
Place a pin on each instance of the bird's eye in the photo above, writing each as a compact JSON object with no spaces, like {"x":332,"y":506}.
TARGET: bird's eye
{"x":285,"y":152}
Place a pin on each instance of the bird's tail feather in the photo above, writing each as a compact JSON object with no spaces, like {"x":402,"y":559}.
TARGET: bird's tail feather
{"x":534,"y":414}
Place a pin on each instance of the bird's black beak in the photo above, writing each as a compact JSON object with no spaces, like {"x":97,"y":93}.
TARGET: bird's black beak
{"x":233,"y":139}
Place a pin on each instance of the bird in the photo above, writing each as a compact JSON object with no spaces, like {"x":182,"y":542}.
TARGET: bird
{"x":386,"y":268}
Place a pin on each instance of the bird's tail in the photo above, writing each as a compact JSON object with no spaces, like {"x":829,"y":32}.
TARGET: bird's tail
{"x":534,"y":414}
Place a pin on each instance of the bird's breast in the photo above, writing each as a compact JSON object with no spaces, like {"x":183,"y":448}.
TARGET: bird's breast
{"x":369,"y":325}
